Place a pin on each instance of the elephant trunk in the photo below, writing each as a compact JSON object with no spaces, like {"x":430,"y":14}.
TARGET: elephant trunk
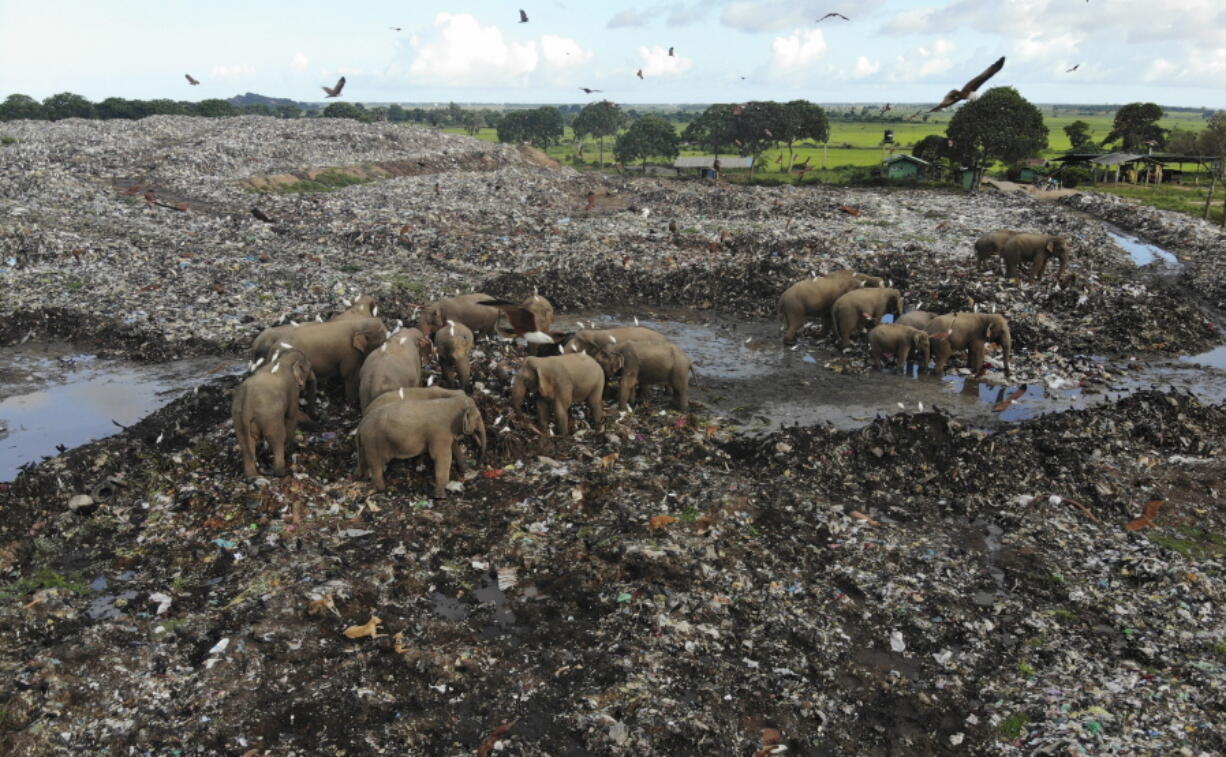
{"x":1006,"y":346}
{"x":519,"y":388}
{"x":479,"y":432}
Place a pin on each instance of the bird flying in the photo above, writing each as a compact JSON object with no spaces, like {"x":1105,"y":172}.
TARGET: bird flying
{"x":335,"y":91}
{"x":956,"y":95}
{"x":833,"y":15}
{"x":589,"y":91}
{"x":1074,"y":68}
{"x":670,"y":53}
{"x":190,"y":80}
{"x":523,"y":17}
{"x":640,"y":73}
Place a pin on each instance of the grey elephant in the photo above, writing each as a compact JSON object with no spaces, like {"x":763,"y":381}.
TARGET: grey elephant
{"x":433,"y":393}
{"x":465,"y":309}
{"x":1034,"y":250}
{"x":454,"y":345}
{"x":955,"y":332}
{"x":557,"y":382}
{"x":265,"y":406}
{"x":592,"y":341}
{"x":396,"y":363}
{"x":400,"y":430}
{"x":812,"y":298}
{"x":363,"y":307}
{"x":336,"y":349}
{"x":638,"y":364}
{"x":991,"y":244}
{"x":916,"y":319}
{"x":904,"y":342}
{"x":854,"y":309}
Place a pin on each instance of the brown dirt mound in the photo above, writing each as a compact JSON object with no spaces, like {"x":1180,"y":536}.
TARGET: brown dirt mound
{"x":537,"y":157}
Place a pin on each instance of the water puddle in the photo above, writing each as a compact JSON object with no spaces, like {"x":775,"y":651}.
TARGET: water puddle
{"x":450,"y":608}
{"x":1141,"y":252}
{"x":52,"y":395}
{"x":743,"y":370}
{"x":1215,"y":358}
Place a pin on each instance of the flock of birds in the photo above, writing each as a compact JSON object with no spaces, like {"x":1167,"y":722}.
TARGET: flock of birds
{"x":953,"y":96}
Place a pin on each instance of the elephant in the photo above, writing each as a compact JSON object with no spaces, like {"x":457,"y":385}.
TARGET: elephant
{"x":1034,"y":249}
{"x":432,"y":393}
{"x":454,"y":344}
{"x":592,"y":341}
{"x":336,"y":348}
{"x":542,"y":309}
{"x":852,"y":310}
{"x":955,"y":332}
{"x":362,"y":307}
{"x":265,"y":406}
{"x":815,"y":297}
{"x":641,"y":363}
{"x":399,"y":430}
{"x":916,"y":319}
{"x":396,"y":363}
{"x":562,"y":379}
{"x":991,"y":244}
{"x":902,"y":341}
{"x":463,"y":309}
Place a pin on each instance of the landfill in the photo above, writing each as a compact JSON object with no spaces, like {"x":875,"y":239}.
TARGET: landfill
{"x":666,"y":583}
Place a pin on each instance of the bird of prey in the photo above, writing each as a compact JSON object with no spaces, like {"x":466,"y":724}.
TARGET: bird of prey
{"x":833,"y":15}
{"x":261,"y":215}
{"x":394,"y":28}
{"x":640,"y":73}
{"x":1074,"y":68}
{"x":523,"y":17}
{"x":887,"y":108}
{"x":589,"y":91}
{"x":335,"y":91}
{"x":670,"y":53}
{"x":956,"y":95}
{"x":191,"y":80}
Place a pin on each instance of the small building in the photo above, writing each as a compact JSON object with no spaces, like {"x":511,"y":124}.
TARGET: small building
{"x":1030,"y":169}
{"x":904,"y":167}
{"x":705,"y":165}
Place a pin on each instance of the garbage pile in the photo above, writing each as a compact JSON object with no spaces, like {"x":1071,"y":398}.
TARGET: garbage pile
{"x":660,"y":585}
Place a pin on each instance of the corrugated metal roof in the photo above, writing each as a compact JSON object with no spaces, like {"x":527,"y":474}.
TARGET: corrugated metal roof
{"x":701,"y":162}
{"x":1117,"y":158}
{"x":911,"y":158}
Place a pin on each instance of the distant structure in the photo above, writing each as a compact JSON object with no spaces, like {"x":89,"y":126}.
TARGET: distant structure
{"x":905,"y":167}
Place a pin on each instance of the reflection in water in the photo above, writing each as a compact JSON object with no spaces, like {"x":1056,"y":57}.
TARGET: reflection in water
{"x":1141,"y":252}
{"x":52,"y":396}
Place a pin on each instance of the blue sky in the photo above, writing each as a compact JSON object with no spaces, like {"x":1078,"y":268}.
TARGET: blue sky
{"x":1173,"y":53}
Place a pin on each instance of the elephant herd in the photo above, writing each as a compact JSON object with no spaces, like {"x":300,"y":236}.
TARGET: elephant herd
{"x":400,"y":418}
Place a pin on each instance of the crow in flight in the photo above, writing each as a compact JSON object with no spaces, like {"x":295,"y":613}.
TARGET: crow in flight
{"x":833,"y":15}
{"x":523,"y":17}
{"x":589,"y":91}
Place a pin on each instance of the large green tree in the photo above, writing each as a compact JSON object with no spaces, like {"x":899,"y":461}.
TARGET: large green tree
{"x":67,"y":105}
{"x":712,"y":130}
{"x":599,"y":120}
{"x":1078,"y":133}
{"x":801,"y":120}
{"x":648,"y":137}
{"x":1001,"y":125}
{"x":344,"y":110}
{"x":17,"y":107}
{"x":540,"y":126}
{"x":1137,"y":124}
{"x":754,"y":126}
{"x":214,"y":108}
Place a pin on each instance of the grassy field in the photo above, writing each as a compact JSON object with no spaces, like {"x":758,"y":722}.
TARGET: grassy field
{"x":1183,"y":198}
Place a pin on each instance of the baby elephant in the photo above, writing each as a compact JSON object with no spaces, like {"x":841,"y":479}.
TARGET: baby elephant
{"x":561,"y":379}
{"x":641,"y":363}
{"x":406,"y":429}
{"x":901,"y":341}
{"x":454,"y":343}
{"x":265,"y":406}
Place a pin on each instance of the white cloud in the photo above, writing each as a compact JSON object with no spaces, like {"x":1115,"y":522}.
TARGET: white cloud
{"x":864,"y":68}
{"x":657,"y":62}
{"x":300,"y":62}
{"x":1160,"y":70}
{"x":924,"y":61}
{"x":465,"y":53}
{"x":798,"y":51}
{"x":627,"y":19}
{"x":232,"y":72}
{"x":1037,"y":47}
{"x":1196,"y":69}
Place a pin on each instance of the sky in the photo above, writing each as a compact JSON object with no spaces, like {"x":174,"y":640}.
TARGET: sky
{"x":1172,"y":52}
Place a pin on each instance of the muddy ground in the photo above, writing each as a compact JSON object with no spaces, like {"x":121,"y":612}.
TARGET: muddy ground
{"x":671,"y":583}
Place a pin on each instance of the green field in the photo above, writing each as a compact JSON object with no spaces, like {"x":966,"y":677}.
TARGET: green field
{"x":858,"y":143}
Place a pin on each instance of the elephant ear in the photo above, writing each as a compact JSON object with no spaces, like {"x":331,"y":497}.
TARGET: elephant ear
{"x":360,"y":341}
{"x":544,"y":382}
{"x":1051,"y":244}
{"x":300,"y":373}
{"x":469,"y":422}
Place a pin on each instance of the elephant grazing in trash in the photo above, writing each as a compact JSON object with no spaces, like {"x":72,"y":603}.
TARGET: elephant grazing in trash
{"x":265,"y":406}
{"x":1034,"y":250}
{"x":466,"y":309}
{"x":991,"y":244}
{"x":400,"y":430}
{"x":637,"y":364}
{"x":859,"y":306}
{"x":396,"y":363}
{"x":815,"y":297}
{"x":904,"y":342}
{"x":955,"y":332}
{"x":558,"y":381}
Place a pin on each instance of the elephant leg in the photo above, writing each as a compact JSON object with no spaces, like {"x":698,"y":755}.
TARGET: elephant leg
{"x":595,"y":407}
{"x":792,"y":321}
{"x":311,"y":388}
{"x":247,"y":441}
{"x":291,"y":428}
{"x":877,"y":356}
{"x":441,"y":452}
{"x":974,"y":355}
{"x":457,"y":455}
{"x":351,"y":387}
{"x":561,"y":414}
{"x":542,"y":414}
{"x":462,"y":372}
{"x":624,"y":390}
{"x":681,"y":391}
{"x":902,"y":354}
{"x":376,"y":463}
{"x":1038,"y":266}
{"x":276,"y":440}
